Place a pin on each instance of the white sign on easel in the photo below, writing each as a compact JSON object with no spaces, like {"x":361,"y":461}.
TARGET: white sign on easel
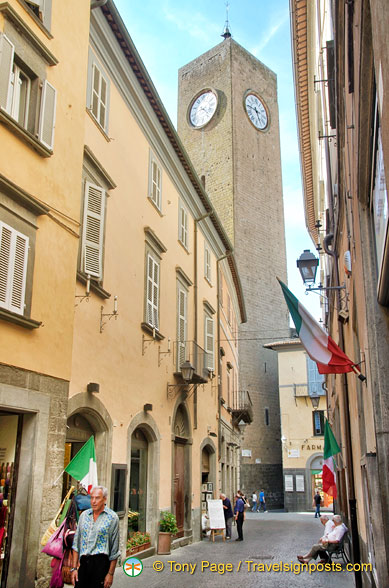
{"x":216,"y":514}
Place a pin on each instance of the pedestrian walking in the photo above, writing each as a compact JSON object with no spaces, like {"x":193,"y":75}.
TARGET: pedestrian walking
{"x":96,"y":544}
{"x":239,"y":516}
{"x":317,"y":503}
{"x":262,"y":501}
{"x":254,"y":499}
{"x":228,"y":514}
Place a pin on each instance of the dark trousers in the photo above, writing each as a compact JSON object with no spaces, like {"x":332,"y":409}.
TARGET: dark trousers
{"x":92,"y":571}
{"x":239,"y":525}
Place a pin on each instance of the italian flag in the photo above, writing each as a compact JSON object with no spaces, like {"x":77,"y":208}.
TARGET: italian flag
{"x":331,"y":448}
{"x":83,"y":466}
{"x":318,"y":344}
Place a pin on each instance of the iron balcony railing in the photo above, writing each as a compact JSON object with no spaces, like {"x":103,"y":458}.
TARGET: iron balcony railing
{"x":198,"y":357}
{"x":242,"y":406}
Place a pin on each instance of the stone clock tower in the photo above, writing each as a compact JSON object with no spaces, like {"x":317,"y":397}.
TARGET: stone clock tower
{"x":228,"y":122}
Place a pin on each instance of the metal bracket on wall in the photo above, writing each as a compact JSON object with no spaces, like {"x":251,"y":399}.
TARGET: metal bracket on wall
{"x":174,"y":389}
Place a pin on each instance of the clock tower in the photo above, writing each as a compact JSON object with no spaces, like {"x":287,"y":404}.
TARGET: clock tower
{"x":228,"y":122}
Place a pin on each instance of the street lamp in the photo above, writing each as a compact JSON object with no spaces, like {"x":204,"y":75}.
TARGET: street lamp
{"x":241,"y":426}
{"x":308,"y":264}
{"x":315,"y":399}
{"x":187,"y":371}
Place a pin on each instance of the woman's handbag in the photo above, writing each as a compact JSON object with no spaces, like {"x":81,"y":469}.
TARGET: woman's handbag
{"x":53,"y":525}
{"x":54,"y":545}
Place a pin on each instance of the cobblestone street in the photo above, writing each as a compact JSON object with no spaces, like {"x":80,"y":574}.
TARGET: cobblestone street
{"x":268,"y":539}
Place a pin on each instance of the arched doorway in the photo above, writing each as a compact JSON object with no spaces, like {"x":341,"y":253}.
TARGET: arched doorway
{"x":138,"y":481}
{"x":181,"y":470}
{"x":315,"y":471}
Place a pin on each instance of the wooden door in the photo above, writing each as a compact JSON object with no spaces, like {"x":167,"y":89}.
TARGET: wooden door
{"x":179,"y":487}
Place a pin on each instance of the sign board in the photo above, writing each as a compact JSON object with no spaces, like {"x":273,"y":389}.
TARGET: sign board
{"x":258,"y":460}
{"x":299,"y":483}
{"x":216,"y":514}
{"x":246,"y":452}
{"x":293,"y":452}
{"x":288,"y":483}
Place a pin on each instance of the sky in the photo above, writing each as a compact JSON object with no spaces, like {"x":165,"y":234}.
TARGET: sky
{"x":170,"y":33}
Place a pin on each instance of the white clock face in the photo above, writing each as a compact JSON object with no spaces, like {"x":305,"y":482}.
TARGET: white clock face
{"x":256,"y":111}
{"x":203,"y":109}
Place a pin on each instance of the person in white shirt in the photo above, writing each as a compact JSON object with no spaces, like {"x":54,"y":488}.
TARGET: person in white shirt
{"x":329,"y":541}
{"x":254,"y":498}
{"x":328,"y":525}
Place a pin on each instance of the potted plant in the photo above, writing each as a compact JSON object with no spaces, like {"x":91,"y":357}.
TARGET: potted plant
{"x":167,"y":528}
{"x":137,"y":542}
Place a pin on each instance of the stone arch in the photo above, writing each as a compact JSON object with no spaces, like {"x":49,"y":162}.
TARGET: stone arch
{"x":144,"y":422}
{"x":312,"y":460}
{"x":90,"y":408}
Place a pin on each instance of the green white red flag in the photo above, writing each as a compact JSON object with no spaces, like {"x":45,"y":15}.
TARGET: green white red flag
{"x":331,"y":448}
{"x":330,"y":359}
{"x":83,"y":466}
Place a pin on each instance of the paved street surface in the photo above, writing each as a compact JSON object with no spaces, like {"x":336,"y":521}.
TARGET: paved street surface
{"x":268,"y":539}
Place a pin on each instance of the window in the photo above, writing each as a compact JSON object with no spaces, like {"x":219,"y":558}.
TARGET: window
{"x":93,"y":231}
{"x":209,"y":342}
{"x":207,"y":264}
{"x":98,"y":93}
{"x":315,"y":380}
{"x":28,"y":100}
{"x":267,"y":418}
{"x":42,"y":10}
{"x":13,"y":268}
{"x":318,"y":422}
{"x":155,"y":181}
{"x":152,"y":292}
{"x":229,"y":315}
{"x":228,"y":387}
{"x":183,"y":226}
{"x":119,"y":474}
{"x":182,"y":324}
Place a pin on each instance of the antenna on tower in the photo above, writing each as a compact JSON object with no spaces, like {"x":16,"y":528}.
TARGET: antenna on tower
{"x":226,"y":31}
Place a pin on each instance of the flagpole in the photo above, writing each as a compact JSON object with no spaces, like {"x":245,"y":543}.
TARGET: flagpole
{"x":55,"y":482}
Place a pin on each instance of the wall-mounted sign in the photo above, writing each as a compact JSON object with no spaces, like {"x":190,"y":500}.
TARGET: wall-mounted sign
{"x":293,"y":452}
{"x":258,"y":460}
{"x":246,"y":452}
{"x":288,"y":483}
{"x":299,"y":483}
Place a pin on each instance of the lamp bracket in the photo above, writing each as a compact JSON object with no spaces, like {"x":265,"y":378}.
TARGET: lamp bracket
{"x":174,"y":389}
{"x":164,"y":353}
{"x":146,"y":342}
{"x":320,"y":287}
{"x":82,"y":297}
{"x":109,"y":315}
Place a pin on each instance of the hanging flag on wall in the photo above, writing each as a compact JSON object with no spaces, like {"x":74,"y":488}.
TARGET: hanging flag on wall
{"x":83,"y":466}
{"x":318,"y":344}
{"x":331,"y":448}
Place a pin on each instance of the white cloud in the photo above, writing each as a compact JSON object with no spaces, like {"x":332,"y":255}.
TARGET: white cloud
{"x":269,"y":34}
{"x":197,"y":25}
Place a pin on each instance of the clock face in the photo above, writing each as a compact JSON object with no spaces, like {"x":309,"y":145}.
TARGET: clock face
{"x":203,"y":109}
{"x":256,"y":111}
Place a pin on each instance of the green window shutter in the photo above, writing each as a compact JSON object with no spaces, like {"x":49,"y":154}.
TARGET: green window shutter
{"x":13,"y":268}
{"x":6,"y":62}
{"x":93,"y":230}
{"x":47,"y":115}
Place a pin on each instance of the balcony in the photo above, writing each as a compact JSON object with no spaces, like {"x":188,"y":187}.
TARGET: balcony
{"x":198,"y":357}
{"x":242,"y":407}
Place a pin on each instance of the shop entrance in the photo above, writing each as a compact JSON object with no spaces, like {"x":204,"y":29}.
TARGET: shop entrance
{"x":317,"y":482}
{"x":78,"y":433}
{"x":10,"y":438}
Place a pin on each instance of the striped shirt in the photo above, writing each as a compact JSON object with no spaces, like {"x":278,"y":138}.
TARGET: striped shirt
{"x":97,"y":537}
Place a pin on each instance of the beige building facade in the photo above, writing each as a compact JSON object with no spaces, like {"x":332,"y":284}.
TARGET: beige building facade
{"x":115,"y":271}
{"x":344,"y":145}
{"x":302,"y":425}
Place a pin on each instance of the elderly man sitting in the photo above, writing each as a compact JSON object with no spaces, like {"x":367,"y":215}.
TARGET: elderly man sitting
{"x":328,"y":542}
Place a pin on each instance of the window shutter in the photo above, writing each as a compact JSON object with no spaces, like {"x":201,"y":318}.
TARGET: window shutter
{"x":182,"y":326}
{"x":152,"y":293}
{"x":184,"y":227}
{"x":6,"y":62}
{"x":209,"y":342}
{"x":47,"y":115}
{"x":13,"y":268}
{"x":93,"y":230}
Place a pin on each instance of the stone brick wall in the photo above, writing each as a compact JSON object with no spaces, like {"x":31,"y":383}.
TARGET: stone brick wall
{"x":266,"y":476}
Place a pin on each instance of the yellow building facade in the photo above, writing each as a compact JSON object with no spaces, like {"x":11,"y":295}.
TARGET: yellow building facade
{"x":123,"y":272}
{"x":302,"y":425}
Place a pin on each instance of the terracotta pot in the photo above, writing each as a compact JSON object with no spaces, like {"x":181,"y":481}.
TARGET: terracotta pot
{"x":164,"y":541}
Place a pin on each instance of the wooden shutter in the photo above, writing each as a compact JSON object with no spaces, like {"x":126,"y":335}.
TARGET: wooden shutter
{"x":6,"y":61}
{"x":182,"y":322}
{"x":152,"y":292}
{"x":209,"y":340}
{"x":93,"y":230}
{"x":47,"y":115}
{"x":184,"y":227}
{"x":13,"y":268}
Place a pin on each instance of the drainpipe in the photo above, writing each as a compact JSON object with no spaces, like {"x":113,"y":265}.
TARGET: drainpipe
{"x":195,"y":295}
{"x":219,"y":359}
{"x":351,"y":500}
